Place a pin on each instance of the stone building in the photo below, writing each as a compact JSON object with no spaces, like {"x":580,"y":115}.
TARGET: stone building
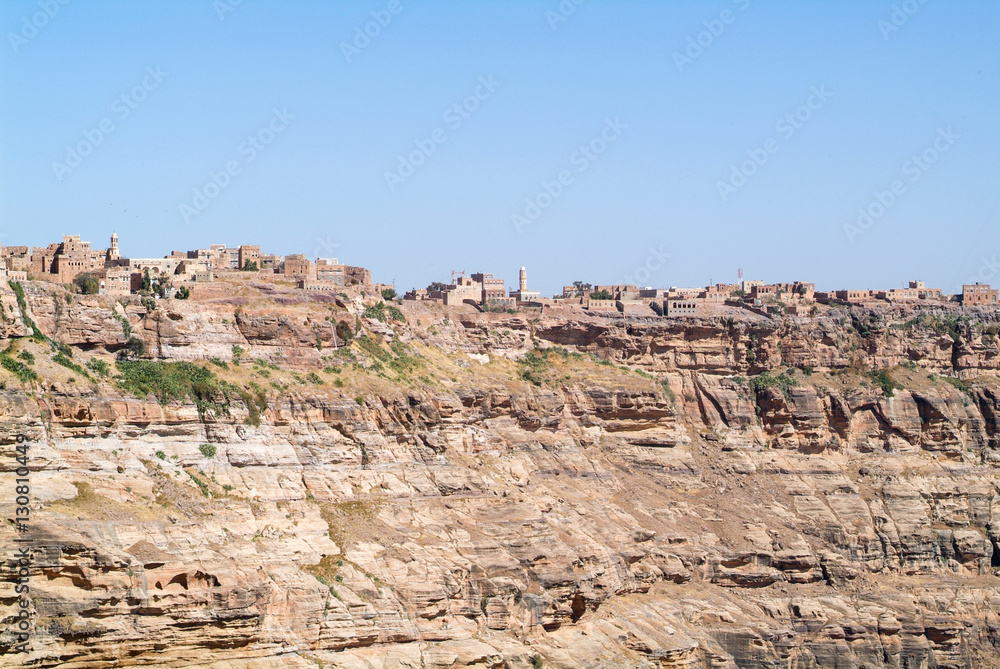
{"x":798,"y":290}
{"x":188,"y":269}
{"x":116,"y":281}
{"x":916,"y":291}
{"x":329,"y":270}
{"x":619,"y":291}
{"x":270,"y":261}
{"x":297,"y":266}
{"x":462,"y":288}
{"x":15,"y":258}
{"x":63,"y":261}
{"x":522,"y":294}
{"x":356,"y":275}
{"x":113,"y":254}
{"x":978,"y":294}
{"x":854,"y":296}
{"x":600,"y":305}
{"x":156,"y":266}
{"x":248,"y":253}
{"x":680,"y":307}
{"x":491,"y":288}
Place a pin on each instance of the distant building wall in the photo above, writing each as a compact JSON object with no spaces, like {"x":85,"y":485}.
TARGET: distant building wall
{"x":297,"y":266}
{"x":681,"y":307}
{"x":977,"y":294}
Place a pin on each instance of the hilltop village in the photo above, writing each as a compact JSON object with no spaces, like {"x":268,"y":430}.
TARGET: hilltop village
{"x":181,"y":273}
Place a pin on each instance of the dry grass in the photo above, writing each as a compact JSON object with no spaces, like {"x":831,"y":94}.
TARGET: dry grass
{"x":326,"y":570}
{"x":94,"y":506}
{"x":354,"y":521}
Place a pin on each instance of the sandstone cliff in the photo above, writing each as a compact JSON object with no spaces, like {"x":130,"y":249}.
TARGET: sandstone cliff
{"x":512,"y":491}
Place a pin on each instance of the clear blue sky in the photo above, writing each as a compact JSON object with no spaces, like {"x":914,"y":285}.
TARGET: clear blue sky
{"x":320,"y":186}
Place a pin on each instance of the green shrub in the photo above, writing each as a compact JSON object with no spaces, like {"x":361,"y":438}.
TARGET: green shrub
{"x":602,"y":294}
{"x":768,"y":380}
{"x":881,"y":378}
{"x":87,"y":283}
{"x":208,"y":450}
{"x":169,"y":381}
{"x":261,"y":362}
{"x":344,"y":332}
{"x":99,"y":367}
{"x":149,"y":304}
{"x":18,"y":369}
{"x":958,"y":384}
{"x":161,"y":455}
{"x":395,"y":314}
{"x":669,"y":392}
{"x":27,"y":356}
{"x":61,"y":359}
{"x":201,"y":485}
{"x":22,"y":306}
{"x":388,"y":294}
{"x":134,"y":348}
{"x":314,"y":379}
{"x":126,"y":326}
{"x":372,"y":348}
{"x":375,"y":312}
{"x":218,"y":362}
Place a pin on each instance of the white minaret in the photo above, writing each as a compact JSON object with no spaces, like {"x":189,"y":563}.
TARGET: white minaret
{"x":113,"y":253}
{"x":524,"y":279}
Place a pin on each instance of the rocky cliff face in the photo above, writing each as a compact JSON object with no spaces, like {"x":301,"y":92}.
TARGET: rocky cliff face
{"x":441,"y":494}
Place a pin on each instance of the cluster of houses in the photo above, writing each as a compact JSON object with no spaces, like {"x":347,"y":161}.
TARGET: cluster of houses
{"x":63,"y":262}
{"x":792,"y":298}
{"x":796,"y":298}
{"x":480,"y":289}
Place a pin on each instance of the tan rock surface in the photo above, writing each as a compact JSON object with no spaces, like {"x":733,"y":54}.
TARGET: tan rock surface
{"x":439,"y":510}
